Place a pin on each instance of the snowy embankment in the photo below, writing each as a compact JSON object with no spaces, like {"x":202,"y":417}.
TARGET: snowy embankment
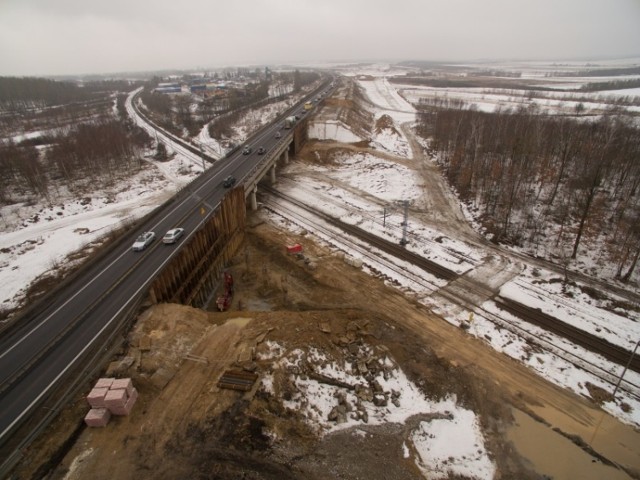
{"x":386,"y":134}
{"x":39,"y":237}
{"x":332,"y":130}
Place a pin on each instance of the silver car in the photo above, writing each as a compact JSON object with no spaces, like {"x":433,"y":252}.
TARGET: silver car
{"x":143,"y":241}
{"x":173,"y":235}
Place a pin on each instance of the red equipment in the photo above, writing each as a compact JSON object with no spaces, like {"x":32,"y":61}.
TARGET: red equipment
{"x":224,"y":301}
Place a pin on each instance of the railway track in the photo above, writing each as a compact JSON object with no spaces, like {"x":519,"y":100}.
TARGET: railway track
{"x":187,"y":146}
{"x":393,"y":228}
{"x":614,"y":353}
{"x":371,"y":257}
{"x":304,"y":215}
{"x":381,"y":244}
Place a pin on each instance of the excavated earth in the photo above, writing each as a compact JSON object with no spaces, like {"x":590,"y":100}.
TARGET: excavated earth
{"x":185,"y":426}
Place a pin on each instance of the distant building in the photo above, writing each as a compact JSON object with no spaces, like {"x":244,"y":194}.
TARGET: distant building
{"x":177,"y":89}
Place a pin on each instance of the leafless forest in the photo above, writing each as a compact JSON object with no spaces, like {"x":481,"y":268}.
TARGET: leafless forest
{"x":532,"y":176}
{"x":81,"y":144}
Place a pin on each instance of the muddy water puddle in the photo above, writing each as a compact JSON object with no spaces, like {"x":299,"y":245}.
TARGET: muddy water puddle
{"x":554,"y":455}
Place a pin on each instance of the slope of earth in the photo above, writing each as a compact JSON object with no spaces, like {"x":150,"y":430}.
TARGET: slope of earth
{"x":296,"y":320}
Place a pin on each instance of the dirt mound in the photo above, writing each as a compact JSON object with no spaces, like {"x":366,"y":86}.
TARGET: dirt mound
{"x":385,"y":122}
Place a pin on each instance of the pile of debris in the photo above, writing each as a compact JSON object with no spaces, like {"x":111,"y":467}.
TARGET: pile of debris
{"x":367,"y":365}
{"x":110,"y":396}
{"x":363,"y":377}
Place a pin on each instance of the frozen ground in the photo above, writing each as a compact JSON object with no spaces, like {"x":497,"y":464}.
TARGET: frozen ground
{"x":449,"y":443}
{"x":28,"y":248}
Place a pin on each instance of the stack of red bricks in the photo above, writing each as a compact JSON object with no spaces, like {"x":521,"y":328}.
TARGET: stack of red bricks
{"x":110,"y":396}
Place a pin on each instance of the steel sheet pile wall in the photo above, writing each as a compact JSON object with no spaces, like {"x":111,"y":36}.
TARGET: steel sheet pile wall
{"x":300,"y":135}
{"x":194,"y":274}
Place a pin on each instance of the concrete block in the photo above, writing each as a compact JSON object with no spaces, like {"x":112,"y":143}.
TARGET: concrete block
{"x":104,"y":382}
{"x":122,"y":383}
{"x":97,"y":417}
{"x":96,"y":397}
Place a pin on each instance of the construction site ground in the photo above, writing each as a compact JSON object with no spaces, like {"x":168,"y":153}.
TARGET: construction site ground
{"x":319,"y":307}
{"x":185,"y":426}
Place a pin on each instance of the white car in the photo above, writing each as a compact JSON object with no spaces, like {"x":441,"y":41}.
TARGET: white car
{"x":143,"y":241}
{"x":172,"y":235}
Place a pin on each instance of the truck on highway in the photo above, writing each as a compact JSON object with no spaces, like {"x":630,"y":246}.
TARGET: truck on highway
{"x":308,"y":106}
{"x":289,"y":122}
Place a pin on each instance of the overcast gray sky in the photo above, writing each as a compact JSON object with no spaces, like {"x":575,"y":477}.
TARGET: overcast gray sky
{"x":51,"y":37}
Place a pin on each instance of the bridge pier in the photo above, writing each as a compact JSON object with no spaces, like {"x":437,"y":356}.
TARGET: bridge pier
{"x":285,"y":156}
{"x":272,"y":174}
{"x":252,"y":198}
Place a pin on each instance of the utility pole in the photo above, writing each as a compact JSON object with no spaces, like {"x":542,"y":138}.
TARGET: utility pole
{"x":615,"y":390}
{"x":404,"y":240}
{"x":202,"y":157}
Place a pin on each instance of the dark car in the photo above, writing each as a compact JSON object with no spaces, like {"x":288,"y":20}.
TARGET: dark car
{"x":261,"y":151}
{"x":229,"y":181}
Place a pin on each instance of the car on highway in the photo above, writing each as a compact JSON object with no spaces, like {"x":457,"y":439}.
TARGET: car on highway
{"x":229,"y":181}
{"x":143,"y":241}
{"x":278,"y":134}
{"x":262,"y":151}
{"x":173,"y":235}
{"x":247,"y":150}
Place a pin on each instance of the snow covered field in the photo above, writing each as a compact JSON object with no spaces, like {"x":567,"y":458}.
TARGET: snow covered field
{"x":28,"y":248}
{"x":490,"y":99}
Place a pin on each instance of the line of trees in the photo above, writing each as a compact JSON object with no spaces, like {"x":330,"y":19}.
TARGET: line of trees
{"x":611,"y":85}
{"x":531,"y":175}
{"x":18,"y":94}
{"x":597,"y":72}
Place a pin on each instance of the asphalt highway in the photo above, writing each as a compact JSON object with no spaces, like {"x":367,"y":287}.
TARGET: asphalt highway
{"x":36,"y":355}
